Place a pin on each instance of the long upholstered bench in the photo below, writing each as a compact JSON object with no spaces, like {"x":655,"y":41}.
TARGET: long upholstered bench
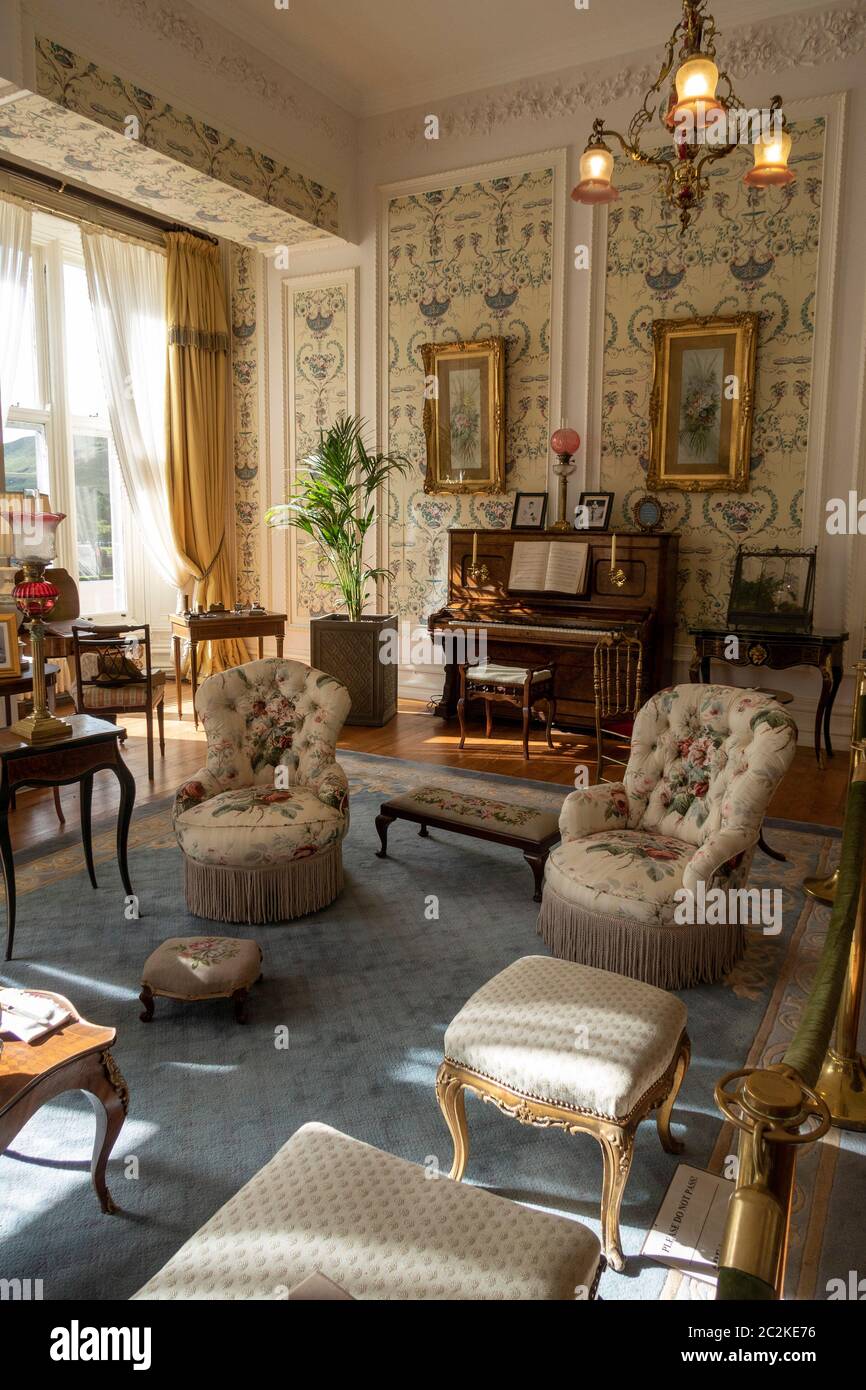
{"x":379,"y":1228}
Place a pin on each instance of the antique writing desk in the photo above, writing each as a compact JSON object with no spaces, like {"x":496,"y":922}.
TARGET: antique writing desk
{"x":213,"y":627}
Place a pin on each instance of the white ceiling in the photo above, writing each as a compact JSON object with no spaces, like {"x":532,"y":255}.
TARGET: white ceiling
{"x":372,"y":56}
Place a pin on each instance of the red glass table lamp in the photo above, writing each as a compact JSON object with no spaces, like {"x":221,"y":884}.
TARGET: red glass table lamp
{"x":33,"y":548}
{"x":565,"y":443}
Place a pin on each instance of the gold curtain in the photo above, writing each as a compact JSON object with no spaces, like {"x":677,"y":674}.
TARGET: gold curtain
{"x":197,"y":457}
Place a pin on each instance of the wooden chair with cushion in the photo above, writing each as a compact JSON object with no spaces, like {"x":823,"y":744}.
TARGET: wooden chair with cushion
{"x":113,"y":674}
{"x":617,"y":675}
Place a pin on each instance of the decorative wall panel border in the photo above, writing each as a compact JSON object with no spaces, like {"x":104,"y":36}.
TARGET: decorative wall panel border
{"x":320,"y":353}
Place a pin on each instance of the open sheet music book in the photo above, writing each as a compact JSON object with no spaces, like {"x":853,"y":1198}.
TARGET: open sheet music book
{"x":559,"y":567}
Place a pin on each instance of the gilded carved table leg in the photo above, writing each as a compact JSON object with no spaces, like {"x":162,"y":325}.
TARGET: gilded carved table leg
{"x":109,"y":1097}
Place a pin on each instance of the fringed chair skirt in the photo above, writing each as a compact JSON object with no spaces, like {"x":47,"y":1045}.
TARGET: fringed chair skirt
{"x":669,"y":955}
{"x":273,"y":894}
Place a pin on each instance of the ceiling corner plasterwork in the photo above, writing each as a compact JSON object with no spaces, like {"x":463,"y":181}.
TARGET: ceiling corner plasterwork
{"x":810,"y":40}
{"x":197,"y":37}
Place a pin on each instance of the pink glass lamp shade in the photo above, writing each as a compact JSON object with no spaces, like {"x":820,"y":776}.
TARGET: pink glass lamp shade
{"x":596,"y":167}
{"x":565,"y":442}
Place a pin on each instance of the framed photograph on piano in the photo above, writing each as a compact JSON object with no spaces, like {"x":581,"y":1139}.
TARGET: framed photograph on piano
{"x":464,"y":415}
{"x":530,"y":510}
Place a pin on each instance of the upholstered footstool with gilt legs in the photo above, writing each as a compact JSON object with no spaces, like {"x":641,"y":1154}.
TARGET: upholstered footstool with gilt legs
{"x":566,"y":1046}
{"x":192,"y":968}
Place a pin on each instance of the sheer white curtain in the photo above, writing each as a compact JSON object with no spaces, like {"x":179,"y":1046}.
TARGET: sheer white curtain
{"x":126,"y":283}
{"x":15,"y":222}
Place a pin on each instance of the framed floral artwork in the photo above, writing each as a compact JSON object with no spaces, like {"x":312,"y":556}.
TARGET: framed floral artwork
{"x":702,"y":403}
{"x":464,"y":415}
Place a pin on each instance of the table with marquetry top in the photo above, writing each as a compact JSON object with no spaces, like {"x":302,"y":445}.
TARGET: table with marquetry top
{"x":92,"y":747}
{"x":74,"y":1057}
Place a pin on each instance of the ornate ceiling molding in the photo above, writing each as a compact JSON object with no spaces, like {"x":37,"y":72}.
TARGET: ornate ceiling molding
{"x":223,"y":55}
{"x":791,"y":41}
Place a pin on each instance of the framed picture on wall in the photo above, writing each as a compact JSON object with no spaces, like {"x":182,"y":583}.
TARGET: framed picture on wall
{"x":702,"y":403}
{"x":464,"y":415}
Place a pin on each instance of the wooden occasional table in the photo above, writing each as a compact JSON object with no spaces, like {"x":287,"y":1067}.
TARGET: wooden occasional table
{"x":75,"y":1057}
{"x":760,"y":647}
{"x":213,"y":627}
{"x":92,"y":746}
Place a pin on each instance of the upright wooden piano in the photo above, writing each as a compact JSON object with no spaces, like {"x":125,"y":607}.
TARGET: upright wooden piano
{"x":524,"y":629}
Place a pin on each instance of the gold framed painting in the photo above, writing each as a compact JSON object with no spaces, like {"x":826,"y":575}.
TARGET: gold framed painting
{"x":702,"y":403}
{"x":464,"y":415}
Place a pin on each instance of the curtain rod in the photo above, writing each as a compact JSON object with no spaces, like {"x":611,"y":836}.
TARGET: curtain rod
{"x":65,"y":188}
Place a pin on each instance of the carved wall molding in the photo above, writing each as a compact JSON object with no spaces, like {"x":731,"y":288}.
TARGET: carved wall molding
{"x":811,"y":40}
{"x":225,"y":56}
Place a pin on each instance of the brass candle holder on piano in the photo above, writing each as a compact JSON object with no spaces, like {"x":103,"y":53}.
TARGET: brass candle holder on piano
{"x":479,"y":574}
{"x":617,"y":574}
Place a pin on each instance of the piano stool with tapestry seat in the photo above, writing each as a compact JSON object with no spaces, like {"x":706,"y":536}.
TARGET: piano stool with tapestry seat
{"x":705,"y":762}
{"x":378,"y":1228}
{"x":520,"y":687}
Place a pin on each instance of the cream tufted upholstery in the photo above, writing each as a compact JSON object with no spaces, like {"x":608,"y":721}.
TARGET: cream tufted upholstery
{"x":240,"y":826}
{"x":380,"y":1228}
{"x":568,"y":1035}
{"x":705,"y":761}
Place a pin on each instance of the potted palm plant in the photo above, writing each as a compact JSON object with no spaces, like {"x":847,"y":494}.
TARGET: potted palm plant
{"x":334,"y":504}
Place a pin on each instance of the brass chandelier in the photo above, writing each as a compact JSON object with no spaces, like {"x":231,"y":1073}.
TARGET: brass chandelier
{"x":705,"y":126}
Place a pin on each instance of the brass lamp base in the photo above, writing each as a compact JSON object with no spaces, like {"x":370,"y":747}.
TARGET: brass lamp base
{"x":41,"y":728}
{"x":561,"y":525}
{"x":842,"y":1084}
{"x":821,"y":887}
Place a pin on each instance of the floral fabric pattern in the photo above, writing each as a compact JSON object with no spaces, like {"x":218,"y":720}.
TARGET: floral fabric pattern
{"x":705,"y":761}
{"x":473,"y":807}
{"x":272,"y":789}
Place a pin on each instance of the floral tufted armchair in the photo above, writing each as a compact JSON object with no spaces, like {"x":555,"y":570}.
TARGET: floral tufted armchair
{"x":626,"y":890}
{"x":261,"y":825}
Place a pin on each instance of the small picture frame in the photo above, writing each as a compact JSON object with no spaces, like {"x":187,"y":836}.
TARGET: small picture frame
{"x":530,"y":510}
{"x":647,"y":512}
{"x":10,"y":656}
{"x":593,"y":510}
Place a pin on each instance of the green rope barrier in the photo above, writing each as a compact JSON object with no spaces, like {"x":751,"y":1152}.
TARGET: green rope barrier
{"x":808,"y":1047}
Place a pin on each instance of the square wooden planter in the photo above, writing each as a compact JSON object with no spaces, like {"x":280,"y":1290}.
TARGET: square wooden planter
{"x":350,"y":651}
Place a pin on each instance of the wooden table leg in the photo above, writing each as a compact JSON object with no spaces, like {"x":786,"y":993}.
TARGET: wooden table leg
{"x":837,"y":681}
{"x":124,"y":816}
{"x":109,"y":1096}
{"x":261,"y":647}
{"x":773,"y":853}
{"x":536,"y":863}
{"x":193,"y":675}
{"x":8,"y":868}
{"x":823,"y":704}
{"x":85,"y":791}
{"x":280,"y":646}
{"x":175,"y":642}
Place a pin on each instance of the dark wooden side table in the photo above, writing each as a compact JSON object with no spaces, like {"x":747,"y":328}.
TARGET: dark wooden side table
{"x":763,"y":647}
{"x":75,"y":1057}
{"x":92,"y":746}
{"x":22,"y":684}
{"x":213,"y":627}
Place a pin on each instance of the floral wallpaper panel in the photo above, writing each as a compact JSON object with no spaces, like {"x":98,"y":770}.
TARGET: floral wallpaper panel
{"x":747,"y":250}
{"x":83,"y":87}
{"x":246,"y":366}
{"x":319,"y":345}
{"x":469,"y":261}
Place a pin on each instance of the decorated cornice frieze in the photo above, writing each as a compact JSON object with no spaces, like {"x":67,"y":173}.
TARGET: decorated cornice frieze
{"x":791,"y":41}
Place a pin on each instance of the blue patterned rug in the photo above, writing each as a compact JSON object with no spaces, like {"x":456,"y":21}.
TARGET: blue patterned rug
{"x":365,"y":990}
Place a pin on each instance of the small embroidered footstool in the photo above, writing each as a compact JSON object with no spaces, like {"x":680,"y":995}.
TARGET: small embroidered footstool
{"x":201,"y":967}
{"x":505,"y":823}
{"x":565,"y":1046}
